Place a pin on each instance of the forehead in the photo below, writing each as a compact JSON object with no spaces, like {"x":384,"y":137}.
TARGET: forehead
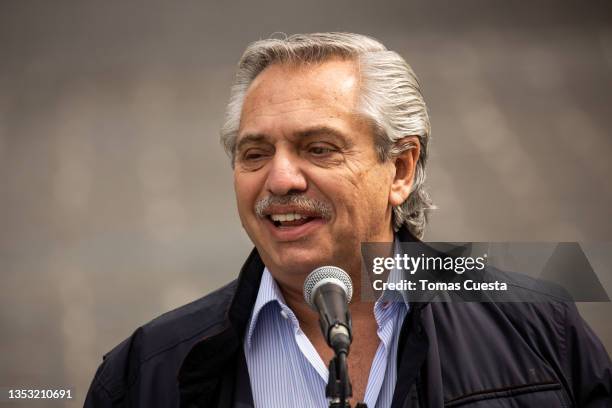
{"x":286,"y":96}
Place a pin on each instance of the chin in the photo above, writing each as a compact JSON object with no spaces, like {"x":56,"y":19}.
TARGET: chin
{"x":300,"y":260}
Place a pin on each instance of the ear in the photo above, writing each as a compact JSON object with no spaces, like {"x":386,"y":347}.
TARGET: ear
{"x":405,"y":169}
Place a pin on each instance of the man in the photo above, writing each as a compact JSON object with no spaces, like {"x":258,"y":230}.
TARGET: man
{"x":327,"y":135}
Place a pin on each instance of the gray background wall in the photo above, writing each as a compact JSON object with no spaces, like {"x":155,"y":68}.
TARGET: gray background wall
{"x":116,"y":201}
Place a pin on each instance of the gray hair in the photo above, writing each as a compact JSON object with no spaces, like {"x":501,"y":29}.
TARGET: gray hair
{"x":391,"y":100}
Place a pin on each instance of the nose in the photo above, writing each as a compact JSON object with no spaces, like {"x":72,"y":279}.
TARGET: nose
{"x":285,"y":175}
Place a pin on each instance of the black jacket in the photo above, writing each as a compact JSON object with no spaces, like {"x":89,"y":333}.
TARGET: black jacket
{"x":539,"y":354}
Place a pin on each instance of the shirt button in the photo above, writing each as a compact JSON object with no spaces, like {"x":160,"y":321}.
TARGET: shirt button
{"x":284,"y":314}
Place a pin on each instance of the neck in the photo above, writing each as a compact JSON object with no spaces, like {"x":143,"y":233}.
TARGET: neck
{"x":361,"y":311}
{"x":309,"y":319}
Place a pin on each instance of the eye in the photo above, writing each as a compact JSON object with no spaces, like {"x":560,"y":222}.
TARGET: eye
{"x":253,"y":154}
{"x":321,"y":150}
{"x":253,"y":158}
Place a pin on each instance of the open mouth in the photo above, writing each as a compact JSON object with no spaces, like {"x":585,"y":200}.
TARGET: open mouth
{"x":290,"y":220}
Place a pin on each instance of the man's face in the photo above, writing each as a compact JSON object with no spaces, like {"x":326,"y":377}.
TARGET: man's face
{"x":308,"y":182}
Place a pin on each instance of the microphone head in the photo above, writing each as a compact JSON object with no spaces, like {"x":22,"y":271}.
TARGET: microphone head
{"x":327,"y":274}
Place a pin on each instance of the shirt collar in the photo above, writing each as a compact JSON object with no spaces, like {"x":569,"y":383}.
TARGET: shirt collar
{"x":395,"y":276}
{"x":269,"y":293}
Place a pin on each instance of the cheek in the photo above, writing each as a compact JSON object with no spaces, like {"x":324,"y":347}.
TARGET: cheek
{"x":375,"y":191}
{"x":245,"y":187}
{"x":363,"y":196}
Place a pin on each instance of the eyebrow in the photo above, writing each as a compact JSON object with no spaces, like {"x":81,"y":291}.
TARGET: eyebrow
{"x":251,"y":138}
{"x":320,"y":130}
{"x":302,"y":134}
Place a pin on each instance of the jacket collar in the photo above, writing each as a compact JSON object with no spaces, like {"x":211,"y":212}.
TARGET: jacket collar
{"x":212,"y":360}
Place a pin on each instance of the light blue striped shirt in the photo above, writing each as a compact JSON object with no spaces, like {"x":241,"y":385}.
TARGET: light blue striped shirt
{"x":284,"y":368}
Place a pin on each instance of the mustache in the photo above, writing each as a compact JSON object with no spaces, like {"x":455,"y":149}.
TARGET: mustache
{"x":301,"y":202}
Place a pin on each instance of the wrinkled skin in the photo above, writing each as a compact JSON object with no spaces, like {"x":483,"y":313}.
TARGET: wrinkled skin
{"x":299,"y":134}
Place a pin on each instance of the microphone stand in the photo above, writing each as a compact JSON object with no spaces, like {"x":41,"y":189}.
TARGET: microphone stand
{"x":328,"y":290}
{"x":339,"y":389}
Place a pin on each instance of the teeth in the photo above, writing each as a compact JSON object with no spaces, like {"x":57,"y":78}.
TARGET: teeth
{"x":286,"y":217}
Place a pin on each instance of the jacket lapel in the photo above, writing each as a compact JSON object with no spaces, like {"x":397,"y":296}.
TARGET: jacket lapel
{"x":208,"y":373}
{"x":412,"y":352}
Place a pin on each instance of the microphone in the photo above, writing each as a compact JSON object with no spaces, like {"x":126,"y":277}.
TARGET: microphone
{"x":328,"y":290}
